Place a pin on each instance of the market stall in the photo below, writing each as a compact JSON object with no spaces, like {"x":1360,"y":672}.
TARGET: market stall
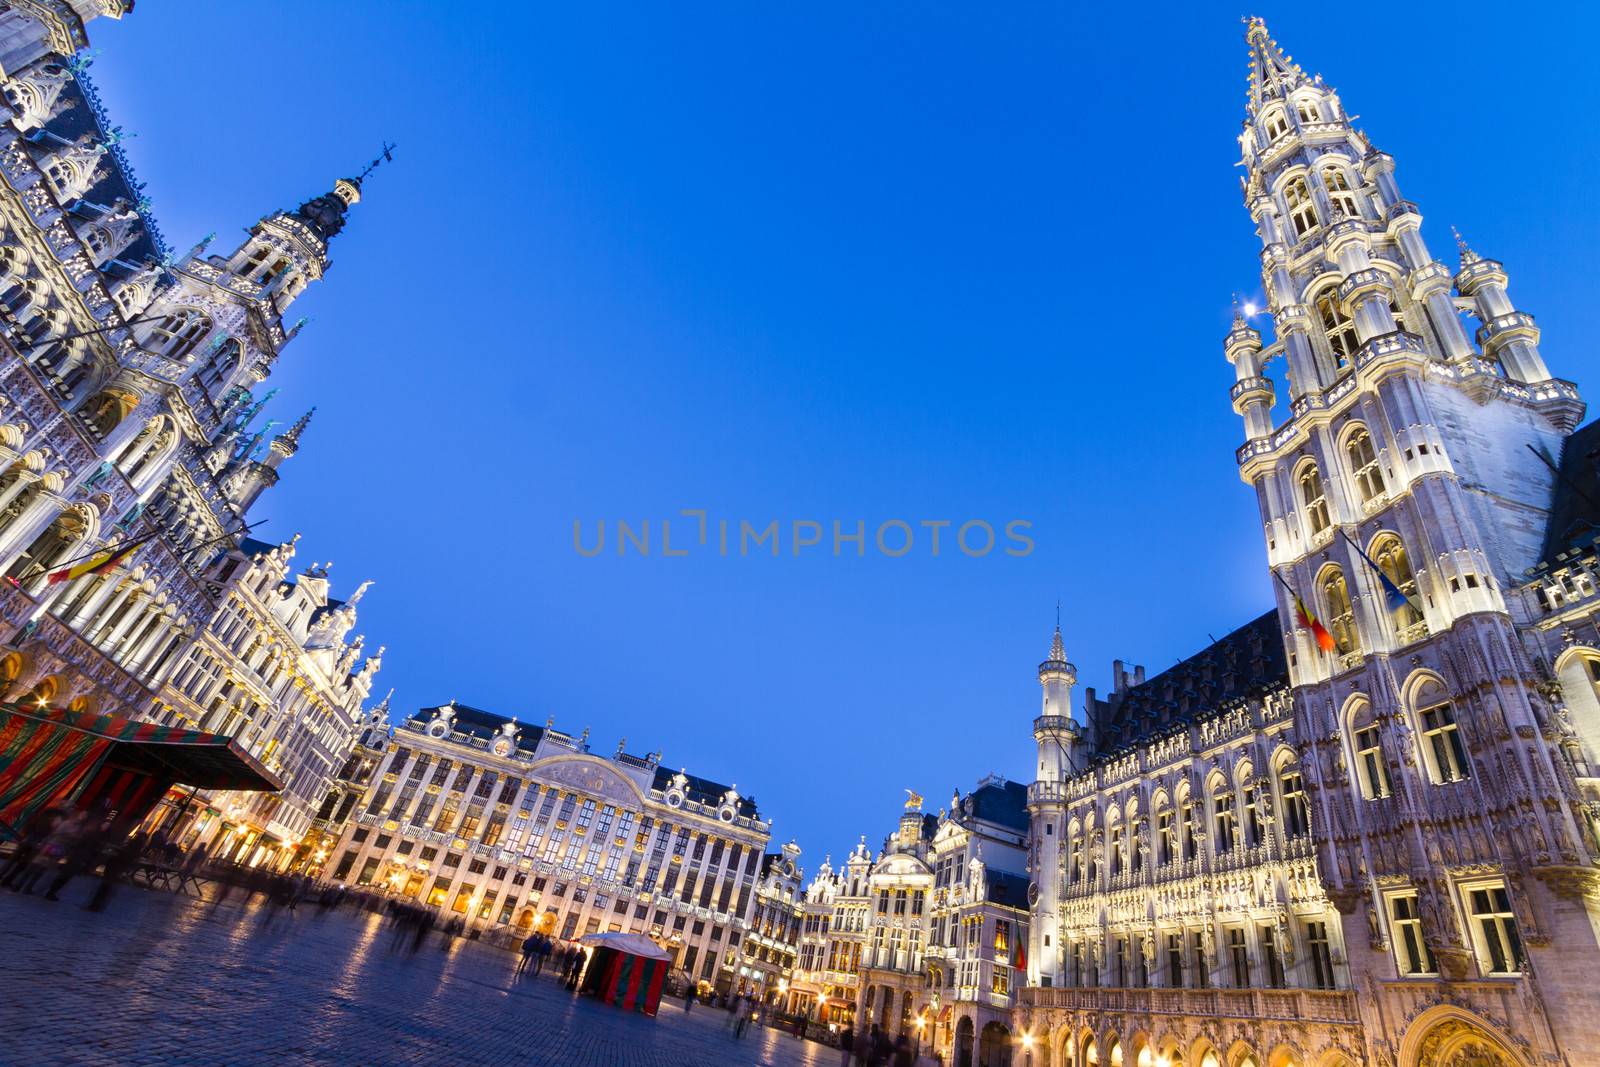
{"x":627,"y":970}
{"x":53,"y":756}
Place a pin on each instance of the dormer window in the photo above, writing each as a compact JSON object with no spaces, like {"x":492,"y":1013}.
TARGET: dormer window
{"x":1277,"y":125}
{"x":1307,"y":110}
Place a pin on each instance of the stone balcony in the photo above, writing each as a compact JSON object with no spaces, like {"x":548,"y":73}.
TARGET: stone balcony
{"x":1332,"y":1006}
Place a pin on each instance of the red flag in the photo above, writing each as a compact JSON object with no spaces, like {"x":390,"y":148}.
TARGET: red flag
{"x":1310,"y":622}
{"x":1019,"y":959}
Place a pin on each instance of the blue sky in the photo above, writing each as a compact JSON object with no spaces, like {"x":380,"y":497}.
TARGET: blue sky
{"x":914,"y":261}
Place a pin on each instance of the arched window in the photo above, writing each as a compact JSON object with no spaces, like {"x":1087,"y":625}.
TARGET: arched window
{"x":1307,"y":110}
{"x":1389,"y":553}
{"x":176,"y":335}
{"x":1338,"y":610}
{"x":1343,"y":341}
{"x":1442,"y":743}
{"x":1366,"y":742}
{"x":1166,"y":835}
{"x":1250,"y":801}
{"x":1302,"y":212}
{"x":1314,"y":498}
{"x":1364,"y":464}
{"x":1296,"y":809}
{"x":1223,"y":818}
{"x":1340,"y":195}
{"x":1277,"y":124}
{"x":219,"y":365}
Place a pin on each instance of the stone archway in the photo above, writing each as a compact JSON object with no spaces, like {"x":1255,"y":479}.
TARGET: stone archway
{"x":964,"y":1041}
{"x":994,"y":1046}
{"x":1451,"y":1037}
{"x":547,"y":923}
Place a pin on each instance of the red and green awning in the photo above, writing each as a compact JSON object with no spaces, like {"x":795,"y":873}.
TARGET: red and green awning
{"x":47,"y":753}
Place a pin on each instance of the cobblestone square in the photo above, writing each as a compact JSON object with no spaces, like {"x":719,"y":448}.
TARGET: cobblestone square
{"x":160,"y":979}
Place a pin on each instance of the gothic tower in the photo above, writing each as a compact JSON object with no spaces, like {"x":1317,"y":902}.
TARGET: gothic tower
{"x":1401,"y":493}
{"x":1059,"y":758}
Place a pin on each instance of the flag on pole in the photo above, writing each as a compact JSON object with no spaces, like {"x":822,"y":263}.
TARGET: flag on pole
{"x":1393,"y":596}
{"x":1019,"y":959}
{"x":1304,"y":618}
{"x":98,"y":563}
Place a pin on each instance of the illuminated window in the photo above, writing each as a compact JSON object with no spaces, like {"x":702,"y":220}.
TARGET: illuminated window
{"x":1340,"y":195}
{"x":1441,"y":738}
{"x":1296,"y":812}
{"x":1390,"y":555}
{"x":1494,"y":930}
{"x":1410,"y":949}
{"x":176,"y":335}
{"x":1343,"y":341}
{"x":1370,"y":763}
{"x":1320,"y":954}
{"x":1302,"y":212}
{"x":1314,"y":498}
{"x":1338,"y":609}
{"x":1364,"y":467}
{"x":1223,"y":819}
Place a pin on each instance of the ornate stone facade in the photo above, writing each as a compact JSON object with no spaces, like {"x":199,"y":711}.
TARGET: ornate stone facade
{"x":1360,"y":829}
{"x":927,"y":938}
{"x":515,"y":828}
{"x":128,"y":438}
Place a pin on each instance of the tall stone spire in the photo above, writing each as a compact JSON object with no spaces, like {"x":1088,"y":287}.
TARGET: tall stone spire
{"x":1272,"y":74}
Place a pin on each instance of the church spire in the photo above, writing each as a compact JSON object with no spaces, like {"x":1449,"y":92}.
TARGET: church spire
{"x":1272,"y":74}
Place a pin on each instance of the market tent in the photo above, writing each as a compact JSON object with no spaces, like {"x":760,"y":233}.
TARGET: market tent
{"x":52,"y":756}
{"x":627,"y":970}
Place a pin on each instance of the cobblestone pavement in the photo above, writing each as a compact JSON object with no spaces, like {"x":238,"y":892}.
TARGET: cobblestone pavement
{"x":158,"y":979}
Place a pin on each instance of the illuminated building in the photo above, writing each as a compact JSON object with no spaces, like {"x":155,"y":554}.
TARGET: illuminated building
{"x":514,"y":828}
{"x":127,"y":417}
{"x":1376,"y":843}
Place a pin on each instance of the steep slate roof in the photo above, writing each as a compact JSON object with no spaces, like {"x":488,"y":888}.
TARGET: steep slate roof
{"x":1005,"y":804}
{"x":75,"y":114}
{"x":483,"y":724}
{"x":704,"y":790}
{"x":486,"y":725}
{"x":1249,"y":662}
{"x":1575,"y":512}
{"x":1003,"y":887}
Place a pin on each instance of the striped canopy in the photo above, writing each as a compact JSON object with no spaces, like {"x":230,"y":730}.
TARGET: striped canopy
{"x":47,"y":754}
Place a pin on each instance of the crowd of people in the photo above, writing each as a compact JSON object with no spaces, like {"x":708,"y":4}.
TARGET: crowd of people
{"x":874,"y":1048}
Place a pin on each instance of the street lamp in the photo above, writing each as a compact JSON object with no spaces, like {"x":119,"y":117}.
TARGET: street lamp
{"x":1027,"y":1047}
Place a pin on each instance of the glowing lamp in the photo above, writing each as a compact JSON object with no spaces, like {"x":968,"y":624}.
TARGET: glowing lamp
{"x":1250,"y":309}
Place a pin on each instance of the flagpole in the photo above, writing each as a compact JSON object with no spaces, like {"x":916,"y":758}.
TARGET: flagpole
{"x":113,"y":549}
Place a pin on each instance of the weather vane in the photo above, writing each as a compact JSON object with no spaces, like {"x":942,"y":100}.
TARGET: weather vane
{"x":386,"y":157}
